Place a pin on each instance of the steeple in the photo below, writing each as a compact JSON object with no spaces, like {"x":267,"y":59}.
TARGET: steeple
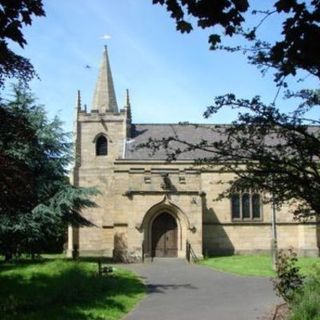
{"x":104,"y":98}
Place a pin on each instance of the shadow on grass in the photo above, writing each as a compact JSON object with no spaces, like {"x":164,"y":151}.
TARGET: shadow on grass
{"x":96,"y":259}
{"x":65,"y":290}
{"x":22,"y":263}
{"x":19,"y":264}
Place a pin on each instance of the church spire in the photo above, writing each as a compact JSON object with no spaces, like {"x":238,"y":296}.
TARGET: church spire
{"x":104,"y":98}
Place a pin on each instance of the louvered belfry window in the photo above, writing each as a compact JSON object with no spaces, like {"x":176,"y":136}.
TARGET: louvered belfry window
{"x":102,"y":146}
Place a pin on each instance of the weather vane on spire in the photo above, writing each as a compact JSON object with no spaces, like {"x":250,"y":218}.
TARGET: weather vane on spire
{"x":106,"y":37}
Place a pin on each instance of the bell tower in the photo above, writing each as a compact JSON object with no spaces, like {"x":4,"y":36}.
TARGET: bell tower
{"x":99,"y":137}
{"x":102,"y":132}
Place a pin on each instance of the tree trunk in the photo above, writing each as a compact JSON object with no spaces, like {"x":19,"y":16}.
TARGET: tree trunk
{"x":8,"y":256}
{"x":318,"y":232}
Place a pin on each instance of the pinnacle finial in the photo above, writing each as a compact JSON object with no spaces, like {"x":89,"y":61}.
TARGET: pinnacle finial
{"x":128,"y":106}
{"x":78,"y":100}
{"x":104,"y":98}
{"x":127,"y":98}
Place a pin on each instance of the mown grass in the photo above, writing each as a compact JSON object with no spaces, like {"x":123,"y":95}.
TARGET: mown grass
{"x":251,"y":265}
{"x":62,"y":289}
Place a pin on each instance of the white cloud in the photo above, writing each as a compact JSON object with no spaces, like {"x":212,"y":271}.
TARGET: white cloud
{"x":106,"y":37}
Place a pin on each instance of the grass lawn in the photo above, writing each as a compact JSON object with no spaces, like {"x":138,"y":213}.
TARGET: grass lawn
{"x":306,"y":303}
{"x":68,"y":290}
{"x":254,"y":265}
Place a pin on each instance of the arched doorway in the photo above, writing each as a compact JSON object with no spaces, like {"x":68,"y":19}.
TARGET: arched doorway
{"x":164,"y":236}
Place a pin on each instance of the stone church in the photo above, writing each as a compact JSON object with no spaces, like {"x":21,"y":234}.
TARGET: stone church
{"x":150,"y":207}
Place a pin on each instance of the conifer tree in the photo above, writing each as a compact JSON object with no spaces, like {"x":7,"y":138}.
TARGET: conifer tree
{"x":36,"y":199}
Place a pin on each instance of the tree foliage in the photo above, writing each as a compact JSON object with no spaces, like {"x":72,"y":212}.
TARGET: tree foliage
{"x":279,"y":151}
{"x":36,"y":199}
{"x":267,"y":149}
{"x":295,"y":48}
{"x":14,"y":15}
{"x":15,"y":176}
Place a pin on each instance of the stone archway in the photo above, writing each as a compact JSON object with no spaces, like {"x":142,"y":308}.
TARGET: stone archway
{"x":181,"y":221}
{"x":164,"y":236}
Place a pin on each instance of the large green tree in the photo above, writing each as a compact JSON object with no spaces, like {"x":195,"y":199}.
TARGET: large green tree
{"x":14,"y":15}
{"x":294,"y":49}
{"x":36,"y":199}
{"x":279,"y":151}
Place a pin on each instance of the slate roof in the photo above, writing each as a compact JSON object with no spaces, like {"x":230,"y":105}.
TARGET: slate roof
{"x":191,"y":133}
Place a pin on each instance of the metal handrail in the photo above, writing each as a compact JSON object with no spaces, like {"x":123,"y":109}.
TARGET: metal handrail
{"x":190,"y":254}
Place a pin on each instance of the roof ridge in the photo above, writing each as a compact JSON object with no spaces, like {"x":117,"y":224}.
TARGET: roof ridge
{"x":184,"y":124}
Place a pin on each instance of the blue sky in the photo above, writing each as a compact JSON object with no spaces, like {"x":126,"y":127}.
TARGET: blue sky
{"x":171,"y":77}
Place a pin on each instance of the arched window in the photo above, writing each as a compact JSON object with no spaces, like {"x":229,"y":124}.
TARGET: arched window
{"x":246,"y":206}
{"x":255,"y":206}
{"x":101,"y":146}
{"x":235,"y":206}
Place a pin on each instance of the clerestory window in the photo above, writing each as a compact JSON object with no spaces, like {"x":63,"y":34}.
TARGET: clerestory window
{"x":101,"y":146}
{"x":246,"y":206}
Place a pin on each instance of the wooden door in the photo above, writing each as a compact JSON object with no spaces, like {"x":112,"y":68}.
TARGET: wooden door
{"x":164,"y":236}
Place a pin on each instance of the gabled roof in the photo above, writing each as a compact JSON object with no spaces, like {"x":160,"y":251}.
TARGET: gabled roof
{"x":190,"y":133}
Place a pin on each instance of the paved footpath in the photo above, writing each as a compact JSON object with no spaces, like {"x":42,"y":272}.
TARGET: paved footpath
{"x":181,"y":291}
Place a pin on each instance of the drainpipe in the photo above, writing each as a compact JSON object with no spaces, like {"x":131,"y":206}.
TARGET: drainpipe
{"x":274,"y":240}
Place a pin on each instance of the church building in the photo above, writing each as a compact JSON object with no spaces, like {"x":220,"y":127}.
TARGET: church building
{"x":151,"y":207}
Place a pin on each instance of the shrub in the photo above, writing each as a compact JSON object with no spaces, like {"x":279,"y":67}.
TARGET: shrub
{"x":288,"y":281}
